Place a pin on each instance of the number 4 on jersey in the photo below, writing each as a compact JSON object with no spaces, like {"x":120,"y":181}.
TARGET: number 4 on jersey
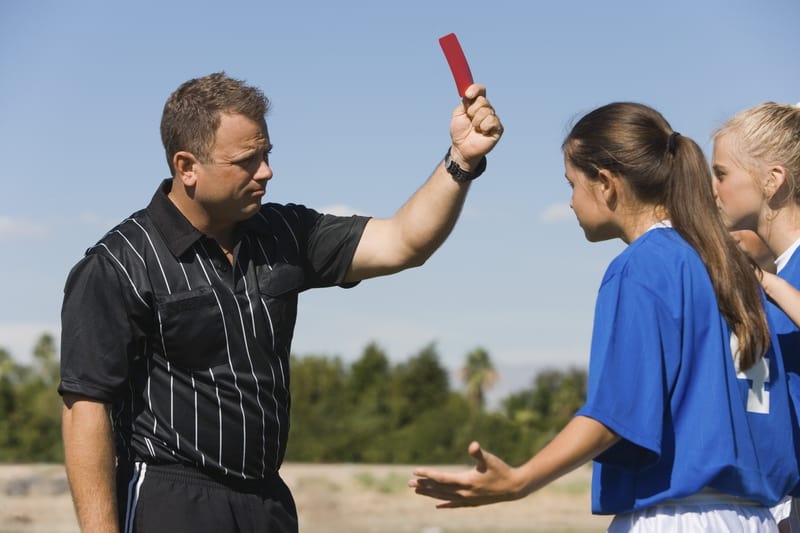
{"x":758,"y":376}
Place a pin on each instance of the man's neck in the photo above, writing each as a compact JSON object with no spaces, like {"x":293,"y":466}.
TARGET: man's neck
{"x":222,"y":232}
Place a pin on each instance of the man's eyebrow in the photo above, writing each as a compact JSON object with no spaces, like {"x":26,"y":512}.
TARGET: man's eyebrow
{"x":249,"y":151}
{"x":266,"y":146}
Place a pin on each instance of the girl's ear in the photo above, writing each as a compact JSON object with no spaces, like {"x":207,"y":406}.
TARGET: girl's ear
{"x":776,"y":178}
{"x":608,"y":185}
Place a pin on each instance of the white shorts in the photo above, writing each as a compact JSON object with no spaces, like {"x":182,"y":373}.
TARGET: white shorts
{"x":788,"y":511}
{"x":701,"y":512}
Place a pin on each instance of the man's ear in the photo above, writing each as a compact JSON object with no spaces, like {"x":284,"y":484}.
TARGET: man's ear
{"x":608,"y":185}
{"x":185,"y":164}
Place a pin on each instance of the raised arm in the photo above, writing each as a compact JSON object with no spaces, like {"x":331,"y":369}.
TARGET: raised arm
{"x":492,"y":480}
{"x":421,"y":225}
{"x":90,"y":463}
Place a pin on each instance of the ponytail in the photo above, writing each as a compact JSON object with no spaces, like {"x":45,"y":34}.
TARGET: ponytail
{"x":694,"y":214}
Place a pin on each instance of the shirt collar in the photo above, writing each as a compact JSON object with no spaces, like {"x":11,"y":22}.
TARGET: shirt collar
{"x":179,"y":234}
{"x":782,"y":259}
{"x":666,"y":223}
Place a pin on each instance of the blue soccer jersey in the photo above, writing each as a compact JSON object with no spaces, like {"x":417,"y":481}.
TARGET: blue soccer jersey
{"x":662,"y":376}
{"x":788,"y":334}
{"x":787,"y":331}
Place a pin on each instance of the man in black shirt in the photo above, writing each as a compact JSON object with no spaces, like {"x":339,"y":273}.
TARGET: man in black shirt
{"x":177,"y":324}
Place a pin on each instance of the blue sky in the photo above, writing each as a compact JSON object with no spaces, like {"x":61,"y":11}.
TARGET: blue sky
{"x":361,"y":98}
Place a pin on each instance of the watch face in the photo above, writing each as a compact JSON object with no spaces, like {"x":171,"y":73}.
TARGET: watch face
{"x":452,"y":167}
{"x":454,"y":170}
{"x":458,"y":173}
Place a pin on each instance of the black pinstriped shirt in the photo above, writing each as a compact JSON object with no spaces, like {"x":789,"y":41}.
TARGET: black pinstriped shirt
{"x":193,"y":353}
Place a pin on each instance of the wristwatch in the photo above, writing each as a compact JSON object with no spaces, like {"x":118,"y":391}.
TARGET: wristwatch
{"x":458,"y":173}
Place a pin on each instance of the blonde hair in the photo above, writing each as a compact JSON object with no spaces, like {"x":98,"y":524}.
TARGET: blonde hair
{"x":766,"y":135}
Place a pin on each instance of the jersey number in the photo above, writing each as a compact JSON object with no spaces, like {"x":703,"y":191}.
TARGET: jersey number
{"x":758,"y":376}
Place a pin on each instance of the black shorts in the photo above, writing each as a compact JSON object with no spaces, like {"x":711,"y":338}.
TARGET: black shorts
{"x":180,"y":499}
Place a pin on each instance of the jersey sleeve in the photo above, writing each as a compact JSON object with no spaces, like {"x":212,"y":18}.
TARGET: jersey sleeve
{"x":96,"y":330}
{"x":331,"y":243}
{"x":627,"y":389}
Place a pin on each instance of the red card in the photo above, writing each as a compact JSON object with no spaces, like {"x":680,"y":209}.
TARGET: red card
{"x":458,"y":63}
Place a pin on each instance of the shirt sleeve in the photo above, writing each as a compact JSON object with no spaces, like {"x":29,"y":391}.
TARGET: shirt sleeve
{"x":96,"y":330}
{"x":331,"y":243}
{"x":627,"y":389}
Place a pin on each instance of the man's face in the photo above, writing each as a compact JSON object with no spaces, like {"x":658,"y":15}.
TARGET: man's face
{"x":232,"y":182}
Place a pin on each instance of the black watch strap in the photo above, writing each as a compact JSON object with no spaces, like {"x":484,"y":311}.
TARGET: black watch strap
{"x":458,"y":173}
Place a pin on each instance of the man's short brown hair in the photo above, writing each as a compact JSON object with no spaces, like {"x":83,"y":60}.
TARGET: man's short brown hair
{"x":192,"y":113}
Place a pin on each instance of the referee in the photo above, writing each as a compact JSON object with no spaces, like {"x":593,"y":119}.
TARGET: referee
{"x":177,"y":324}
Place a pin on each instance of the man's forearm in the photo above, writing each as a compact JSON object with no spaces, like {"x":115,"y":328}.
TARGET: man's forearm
{"x":411,"y":236}
{"x":429,"y":216}
{"x":90,"y":464}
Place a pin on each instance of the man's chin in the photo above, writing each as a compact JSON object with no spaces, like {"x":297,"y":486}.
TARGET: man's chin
{"x":251,"y":209}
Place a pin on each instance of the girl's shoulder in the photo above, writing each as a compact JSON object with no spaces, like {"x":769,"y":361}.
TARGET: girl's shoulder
{"x":657,"y":250}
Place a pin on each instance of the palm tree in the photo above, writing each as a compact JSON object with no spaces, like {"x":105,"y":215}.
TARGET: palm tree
{"x":478,"y":375}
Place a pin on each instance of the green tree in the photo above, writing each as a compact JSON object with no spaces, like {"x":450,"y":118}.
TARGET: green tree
{"x":30,"y":407}
{"x":368,"y":416}
{"x":45,"y":356}
{"x":372,"y":411}
{"x":418,"y":385}
{"x":8,"y":402}
{"x":478,"y":375}
{"x":498,"y":434}
{"x":549,"y":404}
{"x":435,"y":435}
{"x":369,"y":375}
{"x":319,"y":427}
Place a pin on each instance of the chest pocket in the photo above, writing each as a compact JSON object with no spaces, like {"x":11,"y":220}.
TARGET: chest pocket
{"x":279,"y":288}
{"x":192,"y":329}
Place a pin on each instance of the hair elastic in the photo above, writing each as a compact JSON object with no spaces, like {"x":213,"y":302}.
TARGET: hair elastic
{"x":671,"y":142}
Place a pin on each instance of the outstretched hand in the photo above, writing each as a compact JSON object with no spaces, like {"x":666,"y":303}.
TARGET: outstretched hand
{"x":475,"y":128}
{"x":491,"y":481}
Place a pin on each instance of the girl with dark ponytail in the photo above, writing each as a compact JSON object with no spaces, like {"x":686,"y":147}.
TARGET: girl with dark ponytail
{"x":687,"y":414}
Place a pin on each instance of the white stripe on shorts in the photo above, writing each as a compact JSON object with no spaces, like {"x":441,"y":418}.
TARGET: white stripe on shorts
{"x":135,"y":484}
